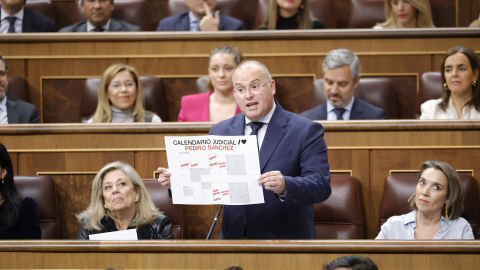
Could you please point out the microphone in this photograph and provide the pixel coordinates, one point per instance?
(214, 222)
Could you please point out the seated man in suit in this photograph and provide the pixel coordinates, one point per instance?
(341, 75)
(16, 19)
(99, 19)
(293, 162)
(200, 18)
(14, 111)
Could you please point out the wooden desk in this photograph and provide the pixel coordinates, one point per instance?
(368, 150)
(55, 65)
(250, 254)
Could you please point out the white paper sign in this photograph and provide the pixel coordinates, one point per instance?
(130, 234)
(214, 169)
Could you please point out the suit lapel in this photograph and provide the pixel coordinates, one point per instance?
(276, 129)
(27, 25)
(183, 24)
(323, 112)
(357, 111)
(238, 126)
(12, 113)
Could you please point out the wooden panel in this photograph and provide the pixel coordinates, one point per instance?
(61, 100)
(366, 150)
(216, 254)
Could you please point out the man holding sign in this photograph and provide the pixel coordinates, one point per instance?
(293, 162)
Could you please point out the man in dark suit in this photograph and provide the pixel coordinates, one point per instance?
(99, 19)
(293, 162)
(16, 19)
(341, 75)
(200, 18)
(13, 111)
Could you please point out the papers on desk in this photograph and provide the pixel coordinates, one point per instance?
(130, 234)
(214, 169)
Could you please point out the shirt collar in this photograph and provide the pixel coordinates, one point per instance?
(19, 14)
(266, 118)
(412, 218)
(3, 104)
(347, 107)
(90, 26)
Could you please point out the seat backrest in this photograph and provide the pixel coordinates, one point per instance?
(43, 7)
(366, 13)
(324, 10)
(152, 89)
(232, 8)
(163, 202)
(42, 189)
(132, 11)
(377, 91)
(342, 215)
(17, 88)
(400, 186)
(430, 88)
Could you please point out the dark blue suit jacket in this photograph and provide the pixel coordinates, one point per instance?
(294, 146)
(360, 110)
(36, 22)
(115, 26)
(181, 22)
(21, 112)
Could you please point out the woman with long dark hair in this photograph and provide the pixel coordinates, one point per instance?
(18, 217)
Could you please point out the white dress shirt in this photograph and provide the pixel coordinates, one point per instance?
(431, 110)
(346, 115)
(5, 24)
(3, 111)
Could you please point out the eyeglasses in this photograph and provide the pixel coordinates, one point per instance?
(254, 89)
(3, 73)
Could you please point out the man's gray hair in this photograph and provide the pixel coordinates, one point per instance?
(342, 57)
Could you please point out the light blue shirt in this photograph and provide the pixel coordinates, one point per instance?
(402, 228)
(346, 115)
(194, 22)
(5, 24)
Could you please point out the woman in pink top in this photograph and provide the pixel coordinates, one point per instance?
(218, 104)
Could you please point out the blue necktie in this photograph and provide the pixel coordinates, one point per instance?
(11, 20)
(256, 126)
(339, 112)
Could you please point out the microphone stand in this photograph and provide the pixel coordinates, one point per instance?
(214, 222)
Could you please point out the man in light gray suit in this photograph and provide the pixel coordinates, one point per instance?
(99, 19)
(14, 111)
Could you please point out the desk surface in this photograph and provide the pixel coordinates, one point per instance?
(250, 254)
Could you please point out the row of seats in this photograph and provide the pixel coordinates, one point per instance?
(363, 13)
(378, 91)
(342, 216)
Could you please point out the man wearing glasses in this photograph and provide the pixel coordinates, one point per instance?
(99, 13)
(14, 111)
(293, 162)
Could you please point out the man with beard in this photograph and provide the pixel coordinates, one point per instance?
(341, 75)
(14, 111)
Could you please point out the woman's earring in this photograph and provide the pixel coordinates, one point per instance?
(105, 205)
(445, 86)
(3, 181)
(136, 199)
(446, 212)
(474, 83)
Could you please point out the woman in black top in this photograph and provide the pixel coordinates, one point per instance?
(120, 201)
(18, 217)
